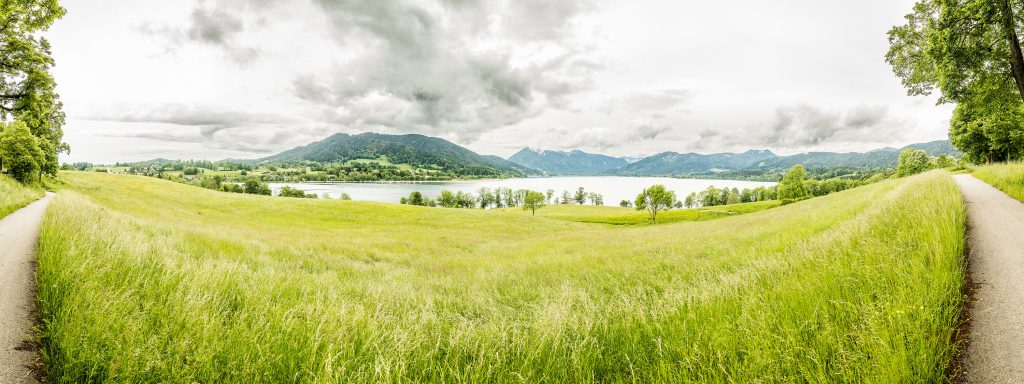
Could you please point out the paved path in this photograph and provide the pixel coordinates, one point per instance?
(995, 238)
(19, 233)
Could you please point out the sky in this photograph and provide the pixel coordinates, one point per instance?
(215, 79)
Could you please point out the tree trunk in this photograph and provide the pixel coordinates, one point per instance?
(1016, 56)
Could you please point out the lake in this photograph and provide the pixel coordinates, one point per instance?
(612, 188)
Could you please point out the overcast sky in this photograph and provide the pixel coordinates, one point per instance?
(212, 79)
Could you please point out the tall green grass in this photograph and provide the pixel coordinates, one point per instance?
(1008, 178)
(142, 280)
(630, 216)
(14, 195)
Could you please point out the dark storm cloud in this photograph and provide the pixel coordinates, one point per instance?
(211, 26)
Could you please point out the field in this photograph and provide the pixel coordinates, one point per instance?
(629, 216)
(1008, 178)
(145, 280)
(13, 195)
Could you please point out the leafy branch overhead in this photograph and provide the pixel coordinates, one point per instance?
(968, 50)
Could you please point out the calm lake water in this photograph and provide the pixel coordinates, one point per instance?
(613, 188)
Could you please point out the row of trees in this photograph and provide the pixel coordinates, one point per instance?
(503, 198)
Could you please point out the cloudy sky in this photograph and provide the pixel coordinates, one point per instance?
(211, 79)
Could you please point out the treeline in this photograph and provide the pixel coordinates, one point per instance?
(503, 198)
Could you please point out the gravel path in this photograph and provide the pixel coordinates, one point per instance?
(995, 237)
(19, 232)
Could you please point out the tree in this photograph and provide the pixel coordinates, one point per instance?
(912, 162)
(950, 45)
(581, 196)
(27, 89)
(988, 125)
(255, 187)
(691, 200)
(655, 199)
(415, 198)
(792, 186)
(549, 195)
(566, 197)
(20, 151)
(625, 204)
(944, 161)
(447, 199)
(533, 201)
(486, 197)
(345, 196)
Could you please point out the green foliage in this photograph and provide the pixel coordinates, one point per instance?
(655, 199)
(1008, 178)
(988, 124)
(27, 89)
(533, 201)
(20, 152)
(143, 280)
(792, 187)
(255, 187)
(912, 162)
(287, 191)
(950, 45)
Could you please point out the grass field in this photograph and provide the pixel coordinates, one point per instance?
(1008, 178)
(145, 280)
(630, 216)
(13, 195)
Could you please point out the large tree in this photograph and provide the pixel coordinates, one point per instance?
(27, 89)
(950, 45)
(654, 200)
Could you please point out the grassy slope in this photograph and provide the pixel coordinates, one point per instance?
(629, 216)
(13, 195)
(1008, 178)
(143, 280)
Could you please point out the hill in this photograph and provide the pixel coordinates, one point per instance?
(417, 151)
(567, 163)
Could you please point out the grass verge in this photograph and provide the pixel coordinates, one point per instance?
(14, 195)
(1008, 178)
(144, 280)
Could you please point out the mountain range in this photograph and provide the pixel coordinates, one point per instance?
(567, 163)
(438, 154)
(695, 164)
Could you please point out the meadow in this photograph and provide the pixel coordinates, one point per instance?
(14, 195)
(146, 280)
(1008, 178)
(630, 216)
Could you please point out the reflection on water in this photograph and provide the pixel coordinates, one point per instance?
(613, 188)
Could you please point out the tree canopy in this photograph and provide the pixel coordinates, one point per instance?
(533, 201)
(655, 199)
(970, 51)
(27, 89)
(19, 151)
(792, 185)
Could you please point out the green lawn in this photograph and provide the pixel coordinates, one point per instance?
(13, 195)
(1008, 178)
(145, 280)
(630, 216)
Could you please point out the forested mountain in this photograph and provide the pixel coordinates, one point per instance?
(750, 162)
(567, 163)
(413, 150)
(672, 163)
